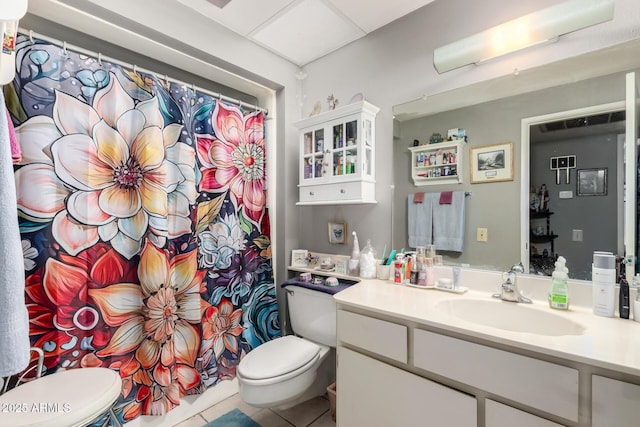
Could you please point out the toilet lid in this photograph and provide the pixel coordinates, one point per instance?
(277, 357)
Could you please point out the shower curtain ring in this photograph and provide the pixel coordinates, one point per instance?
(64, 48)
(31, 37)
(193, 87)
(100, 59)
(135, 69)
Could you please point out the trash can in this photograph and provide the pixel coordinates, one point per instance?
(331, 393)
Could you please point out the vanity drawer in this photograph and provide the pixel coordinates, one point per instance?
(614, 403)
(338, 192)
(546, 386)
(500, 415)
(377, 336)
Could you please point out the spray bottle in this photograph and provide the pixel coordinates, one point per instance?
(559, 291)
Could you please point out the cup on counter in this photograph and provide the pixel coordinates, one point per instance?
(383, 271)
(456, 277)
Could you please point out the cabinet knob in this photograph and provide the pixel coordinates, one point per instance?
(311, 193)
(342, 191)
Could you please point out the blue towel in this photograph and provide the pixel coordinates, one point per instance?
(420, 220)
(14, 318)
(448, 224)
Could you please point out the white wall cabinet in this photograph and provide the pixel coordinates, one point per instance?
(439, 163)
(337, 156)
(387, 396)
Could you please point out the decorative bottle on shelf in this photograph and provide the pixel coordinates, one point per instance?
(354, 261)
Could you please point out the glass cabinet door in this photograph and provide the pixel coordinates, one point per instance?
(367, 147)
(313, 155)
(345, 149)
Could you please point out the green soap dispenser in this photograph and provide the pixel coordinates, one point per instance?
(559, 291)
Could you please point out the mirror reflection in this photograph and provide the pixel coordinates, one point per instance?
(588, 219)
(576, 166)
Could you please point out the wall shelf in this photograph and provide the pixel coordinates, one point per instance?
(439, 163)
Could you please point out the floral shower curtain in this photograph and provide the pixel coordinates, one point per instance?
(144, 225)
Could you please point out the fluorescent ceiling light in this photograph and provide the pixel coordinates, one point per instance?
(528, 30)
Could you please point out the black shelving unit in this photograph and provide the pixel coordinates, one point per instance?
(538, 262)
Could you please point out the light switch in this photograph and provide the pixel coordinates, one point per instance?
(566, 194)
(576, 235)
(483, 234)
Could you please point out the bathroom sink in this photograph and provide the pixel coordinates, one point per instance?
(511, 316)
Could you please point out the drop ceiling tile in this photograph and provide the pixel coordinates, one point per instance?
(372, 14)
(306, 31)
(241, 16)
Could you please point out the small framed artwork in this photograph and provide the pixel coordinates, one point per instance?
(337, 233)
(299, 258)
(492, 163)
(592, 182)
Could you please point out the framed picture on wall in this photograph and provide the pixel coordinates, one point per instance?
(299, 258)
(592, 182)
(337, 233)
(492, 163)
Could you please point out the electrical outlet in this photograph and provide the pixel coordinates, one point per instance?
(576, 235)
(483, 234)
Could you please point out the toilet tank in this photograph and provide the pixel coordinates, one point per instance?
(312, 314)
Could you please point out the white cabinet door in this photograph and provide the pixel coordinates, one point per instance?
(614, 403)
(499, 415)
(373, 394)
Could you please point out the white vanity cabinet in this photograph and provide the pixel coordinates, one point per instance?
(500, 415)
(387, 396)
(614, 403)
(374, 393)
(337, 156)
(393, 372)
(440, 163)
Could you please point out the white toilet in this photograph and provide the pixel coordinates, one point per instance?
(289, 370)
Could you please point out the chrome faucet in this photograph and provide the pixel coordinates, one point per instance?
(509, 289)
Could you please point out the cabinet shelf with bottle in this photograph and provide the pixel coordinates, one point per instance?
(338, 156)
(439, 163)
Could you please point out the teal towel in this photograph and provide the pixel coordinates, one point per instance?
(234, 418)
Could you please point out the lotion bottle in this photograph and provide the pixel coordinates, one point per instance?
(604, 283)
(559, 292)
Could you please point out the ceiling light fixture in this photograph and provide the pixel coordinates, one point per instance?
(528, 30)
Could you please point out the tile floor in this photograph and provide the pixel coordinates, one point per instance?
(312, 413)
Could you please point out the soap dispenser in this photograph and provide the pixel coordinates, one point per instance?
(559, 291)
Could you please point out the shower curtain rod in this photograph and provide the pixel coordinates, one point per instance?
(31, 34)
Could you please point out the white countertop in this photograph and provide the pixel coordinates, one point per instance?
(610, 343)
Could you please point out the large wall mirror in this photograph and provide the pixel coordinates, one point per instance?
(573, 112)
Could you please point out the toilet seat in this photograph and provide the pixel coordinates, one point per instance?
(278, 360)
